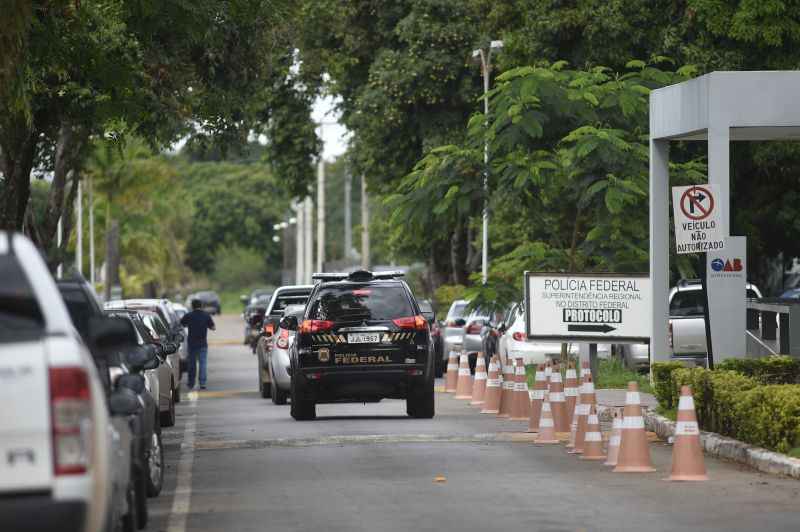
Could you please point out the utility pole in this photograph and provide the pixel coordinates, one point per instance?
(364, 224)
(321, 214)
(91, 232)
(79, 229)
(299, 273)
(308, 254)
(348, 215)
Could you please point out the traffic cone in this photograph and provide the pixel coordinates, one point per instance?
(587, 400)
(491, 404)
(634, 452)
(536, 399)
(522, 400)
(573, 426)
(613, 440)
(452, 373)
(585, 369)
(479, 382)
(687, 454)
(547, 431)
(464, 382)
(571, 391)
(558, 400)
(507, 389)
(593, 441)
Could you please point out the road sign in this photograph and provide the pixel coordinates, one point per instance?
(697, 224)
(596, 307)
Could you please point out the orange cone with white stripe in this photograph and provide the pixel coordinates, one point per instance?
(547, 431)
(687, 454)
(537, 398)
(593, 440)
(571, 391)
(522, 400)
(573, 432)
(613, 440)
(452, 373)
(464, 382)
(507, 390)
(479, 381)
(587, 401)
(634, 451)
(585, 369)
(491, 404)
(558, 400)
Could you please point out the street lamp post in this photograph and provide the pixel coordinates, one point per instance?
(485, 58)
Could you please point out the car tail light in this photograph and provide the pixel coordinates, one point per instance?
(518, 337)
(416, 323)
(71, 420)
(474, 328)
(669, 336)
(269, 328)
(283, 339)
(312, 326)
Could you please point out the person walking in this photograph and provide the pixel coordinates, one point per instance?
(198, 322)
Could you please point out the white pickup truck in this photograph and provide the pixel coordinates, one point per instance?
(687, 324)
(59, 448)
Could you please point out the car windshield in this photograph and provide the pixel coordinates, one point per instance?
(355, 303)
(20, 315)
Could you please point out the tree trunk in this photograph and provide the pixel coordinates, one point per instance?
(69, 147)
(16, 162)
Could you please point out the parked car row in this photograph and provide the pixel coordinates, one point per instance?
(85, 392)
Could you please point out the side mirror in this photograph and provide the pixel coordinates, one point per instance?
(430, 317)
(289, 323)
(124, 402)
(171, 348)
(142, 358)
(134, 383)
(255, 321)
(111, 333)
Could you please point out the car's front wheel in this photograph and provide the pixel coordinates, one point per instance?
(279, 397)
(263, 387)
(302, 409)
(168, 417)
(420, 402)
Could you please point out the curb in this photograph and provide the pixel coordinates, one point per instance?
(720, 446)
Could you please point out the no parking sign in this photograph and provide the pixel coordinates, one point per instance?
(697, 223)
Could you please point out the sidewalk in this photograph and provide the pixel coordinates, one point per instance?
(616, 398)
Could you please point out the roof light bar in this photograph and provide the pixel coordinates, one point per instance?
(358, 275)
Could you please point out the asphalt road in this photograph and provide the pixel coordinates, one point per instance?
(236, 462)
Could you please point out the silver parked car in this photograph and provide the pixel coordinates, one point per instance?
(454, 328)
(275, 351)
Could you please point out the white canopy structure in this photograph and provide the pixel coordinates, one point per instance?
(717, 108)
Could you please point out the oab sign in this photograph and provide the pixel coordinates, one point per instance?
(600, 307)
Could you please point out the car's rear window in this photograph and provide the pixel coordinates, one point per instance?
(20, 315)
(354, 303)
(79, 309)
(458, 310)
(692, 303)
(284, 300)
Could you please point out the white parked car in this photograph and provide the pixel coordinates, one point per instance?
(514, 343)
(60, 451)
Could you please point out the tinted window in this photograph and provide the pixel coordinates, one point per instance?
(80, 309)
(20, 315)
(425, 306)
(692, 303)
(355, 303)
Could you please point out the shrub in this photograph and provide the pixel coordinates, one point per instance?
(698, 379)
(769, 416)
(724, 388)
(664, 386)
(775, 369)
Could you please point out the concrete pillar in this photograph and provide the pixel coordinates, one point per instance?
(659, 249)
(719, 171)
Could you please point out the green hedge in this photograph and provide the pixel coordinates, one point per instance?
(776, 369)
(735, 404)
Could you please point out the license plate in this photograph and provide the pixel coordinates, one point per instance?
(363, 338)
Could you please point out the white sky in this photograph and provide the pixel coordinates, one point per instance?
(334, 135)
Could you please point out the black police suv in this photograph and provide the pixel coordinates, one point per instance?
(362, 338)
